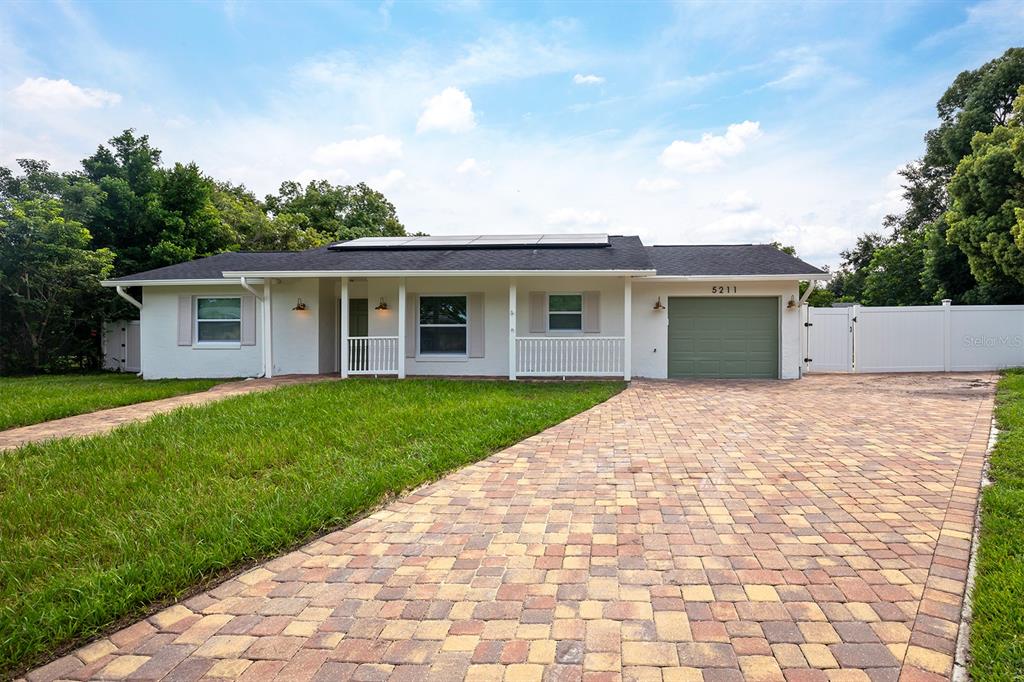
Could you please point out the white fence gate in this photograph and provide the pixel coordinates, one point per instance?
(914, 338)
(122, 348)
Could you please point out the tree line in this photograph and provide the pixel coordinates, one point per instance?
(125, 212)
(961, 236)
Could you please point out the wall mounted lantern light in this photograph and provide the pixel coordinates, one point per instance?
(792, 302)
(658, 307)
(383, 305)
(299, 305)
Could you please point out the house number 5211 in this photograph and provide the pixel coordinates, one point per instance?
(723, 290)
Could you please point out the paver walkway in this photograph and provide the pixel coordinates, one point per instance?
(102, 421)
(811, 530)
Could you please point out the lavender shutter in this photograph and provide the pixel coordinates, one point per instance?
(475, 305)
(592, 312)
(538, 312)
(412, 313)
(248, 320)
(184, 320)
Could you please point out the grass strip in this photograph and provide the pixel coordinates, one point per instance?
(997, 626)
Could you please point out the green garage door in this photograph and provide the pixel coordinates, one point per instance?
(723, 337)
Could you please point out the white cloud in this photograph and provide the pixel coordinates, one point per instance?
(365, 150)
(657, 185)
(712, 150)
(588, 79)
(738, 202)
(451, 111)
(471, 166)
(805, 71)
(45, 93)
(570, 217)
(388, 180)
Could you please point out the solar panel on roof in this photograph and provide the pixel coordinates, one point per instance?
(574, 239)
(475, 241)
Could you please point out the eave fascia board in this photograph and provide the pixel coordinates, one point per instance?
(291, 274)
(177, 282)
(748, 278)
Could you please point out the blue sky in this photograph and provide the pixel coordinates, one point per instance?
(683, 123)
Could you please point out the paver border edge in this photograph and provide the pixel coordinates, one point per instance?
(963, 639)
(971, 472)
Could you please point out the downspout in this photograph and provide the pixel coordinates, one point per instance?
(259, 297)
(131, 299)
(807, 294)
(128, 297)
(248, 287)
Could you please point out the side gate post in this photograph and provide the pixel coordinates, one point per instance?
(854, 313)
(947, 313)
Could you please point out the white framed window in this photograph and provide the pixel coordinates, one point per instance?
(443, 325)
(218, 320)
(565, 312)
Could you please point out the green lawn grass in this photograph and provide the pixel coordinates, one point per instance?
(997, 628)
(35, 399)
(93, 531)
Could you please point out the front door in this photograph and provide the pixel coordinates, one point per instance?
(358, 317)
(358, 327)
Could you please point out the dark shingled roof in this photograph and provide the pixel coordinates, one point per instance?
(623, 253)
(733, 259)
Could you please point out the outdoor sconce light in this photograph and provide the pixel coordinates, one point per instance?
(792, 302)
(299, 305)
(658, 306)
(383, 305)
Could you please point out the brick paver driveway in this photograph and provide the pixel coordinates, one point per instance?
(809, 530)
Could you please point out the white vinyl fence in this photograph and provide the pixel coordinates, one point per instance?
(941, 338)
(122, 349)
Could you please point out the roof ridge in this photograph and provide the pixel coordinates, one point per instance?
(691, 246)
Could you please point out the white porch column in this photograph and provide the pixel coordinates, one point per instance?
(344, 328)
(512, 360)
(402, 312)
(627, 329)
(268, 335)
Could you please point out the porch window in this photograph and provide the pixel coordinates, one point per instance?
(219, 320)
(565, 312)
(443, 325)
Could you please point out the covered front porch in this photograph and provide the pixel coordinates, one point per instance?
(544, 326)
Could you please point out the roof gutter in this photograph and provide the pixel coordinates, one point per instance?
(128, 297)
(286, 274)
(248, 287)
(206, 281)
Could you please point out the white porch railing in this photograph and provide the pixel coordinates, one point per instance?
(373, 355)
(546, 356)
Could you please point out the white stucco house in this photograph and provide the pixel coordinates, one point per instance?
(508, 306)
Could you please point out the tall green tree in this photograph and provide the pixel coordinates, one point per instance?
(339, 211)
(151, 216)
(248, 218)
(918, 262)
(986, 216)
(50, 298)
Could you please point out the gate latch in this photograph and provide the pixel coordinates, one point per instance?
(808, 324)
